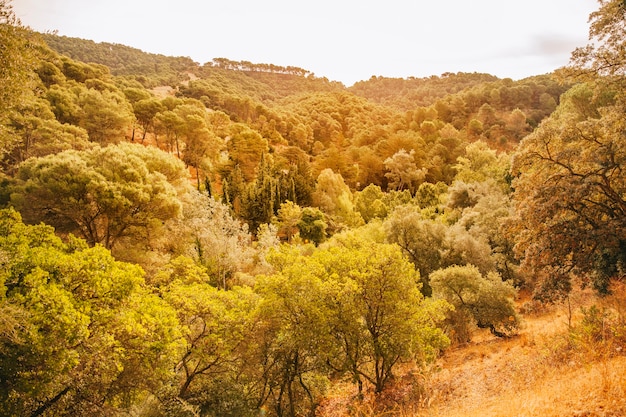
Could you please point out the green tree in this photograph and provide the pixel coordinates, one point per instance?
(217, 327)
(105, 115)
(380, 319)
(295, 324)
(172, 125)
(312, 225)
(82, 335)
(422, 240)
(37, 133)
(246, 148)
(335, 199)
(63, 103)
(145, 111)
(262, 198)
(481, 163)
(370, 203)
(429, 195)
(485, 301)
(105, 195)
(18, 60)
(200, 142)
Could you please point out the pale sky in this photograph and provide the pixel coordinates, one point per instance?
(344, 41)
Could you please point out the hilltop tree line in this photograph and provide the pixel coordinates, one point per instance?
(260, 234)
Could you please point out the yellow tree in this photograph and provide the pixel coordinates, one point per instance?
(380, 319)
(80, 333)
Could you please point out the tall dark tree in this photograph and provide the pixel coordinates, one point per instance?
(569, 192)
(570, 185)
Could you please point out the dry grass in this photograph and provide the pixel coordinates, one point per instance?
(544, 371)
(538, 373)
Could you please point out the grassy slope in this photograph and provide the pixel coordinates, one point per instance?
(534, 374)
(537, 373)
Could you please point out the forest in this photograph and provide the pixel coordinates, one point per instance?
(245, 239)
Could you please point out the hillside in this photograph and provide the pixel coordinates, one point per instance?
(235, 239)
(549, 369)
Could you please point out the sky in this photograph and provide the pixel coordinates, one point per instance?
(345, 41)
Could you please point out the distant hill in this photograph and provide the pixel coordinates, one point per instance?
(405, 94)
(122, 60)
(292, 104)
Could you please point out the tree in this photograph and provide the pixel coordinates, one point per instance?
(262, 198)
(246, 148)
(403, 172)
(18, 59)
(481, 163)
(63, 103)
(217, 326)
(335, 199)
(200, 141)
(485, 301)
(429, 195)
(464, 248)
(145, 111)
(172, 124)
(207, 233)
(295, 328)
(289, 215)
(606, 54)
(422, 240)
(105, 115)
(312, 225)
(352, 308)
(380, 319)
(569, 193)
(105, 195)
(484, 219)
(37, 133)
(81, 334)
(369, 202)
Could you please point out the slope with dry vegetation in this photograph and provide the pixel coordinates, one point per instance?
(567, 361)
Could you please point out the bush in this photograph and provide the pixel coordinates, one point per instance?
(483, 301)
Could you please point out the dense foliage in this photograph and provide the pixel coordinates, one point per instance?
(232, 238)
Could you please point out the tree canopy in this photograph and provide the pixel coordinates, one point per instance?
(237, 238)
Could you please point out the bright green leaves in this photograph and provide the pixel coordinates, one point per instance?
(357, 307)
(379, 291)
(216, 324)
(81, 329)
(295, 329)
